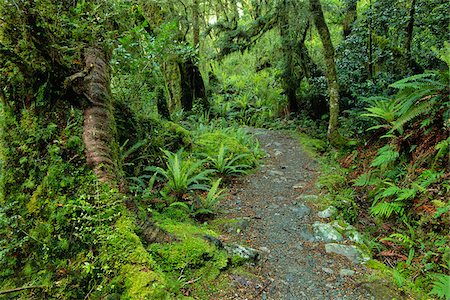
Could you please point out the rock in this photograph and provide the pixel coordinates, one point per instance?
(245, 253)
(327, 213)
(326, 232)
(340, 225)
(308, 197)
(275, 173)
(264, 249)
(298, 186)
(346, 272)
(300, 210)
(353, 253)
(327, 270)
(236, 225)
(354, 236)
(213, 240)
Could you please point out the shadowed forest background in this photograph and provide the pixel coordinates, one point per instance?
(124, 122)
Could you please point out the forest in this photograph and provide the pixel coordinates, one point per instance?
(131, 129)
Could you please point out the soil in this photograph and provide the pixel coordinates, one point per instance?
(274, 211)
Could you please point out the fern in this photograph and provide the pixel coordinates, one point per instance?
(441, 286)
(366, 179)
(422, 108)
(386, 209)
(182, 175)
(386, 155)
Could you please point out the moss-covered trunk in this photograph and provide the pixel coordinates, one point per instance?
(99, 126)
(192, 85)
(333, 86)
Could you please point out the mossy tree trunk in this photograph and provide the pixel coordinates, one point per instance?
(350, 17)
(333, 86)
(192, 86)
(291, 83)
(99, 128)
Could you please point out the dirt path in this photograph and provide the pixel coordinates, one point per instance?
(273, 209)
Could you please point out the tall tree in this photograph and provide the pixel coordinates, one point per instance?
(350, 16)
(333, 86)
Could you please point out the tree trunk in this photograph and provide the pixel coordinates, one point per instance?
(99, 126)
(370, 46)
(350, 17)
(290, 83)
(409, 33)
(192, 86)
(333, 86)
(195, 24)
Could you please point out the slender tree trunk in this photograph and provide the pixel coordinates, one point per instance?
(410, 31)
(333, 86)
(370, 46)
(195, 23)
(99, 124)
(350, 17)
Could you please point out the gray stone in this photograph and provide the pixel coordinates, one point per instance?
(346, 272)
(275, 173)
(353, 253)
(326, 232)
(238, 224)
(354, 236)
(327, 213)
(327, 270)
(308, 197)
(246, 253)
(298, 186)
(300, 210)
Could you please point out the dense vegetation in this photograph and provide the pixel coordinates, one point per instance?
(122, 124)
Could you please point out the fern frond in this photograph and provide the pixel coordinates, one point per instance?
(422, 108)
(386, 155)
(386, 209)
(441, 286)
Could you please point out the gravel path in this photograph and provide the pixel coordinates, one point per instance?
(273, 207)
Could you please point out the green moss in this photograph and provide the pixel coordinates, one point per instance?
(312, 145)
(178, 130)
(141, 283)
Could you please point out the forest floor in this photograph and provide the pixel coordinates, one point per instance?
(273, 211)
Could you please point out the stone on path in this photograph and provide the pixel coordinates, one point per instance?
(245, 253)
(353, 253)
(326, 232)
(346, 272)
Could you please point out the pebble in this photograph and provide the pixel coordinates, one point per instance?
(346, 272)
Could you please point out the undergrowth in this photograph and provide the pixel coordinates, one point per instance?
(395, 185)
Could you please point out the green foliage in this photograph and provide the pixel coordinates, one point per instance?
(226, 164)
(386, 155)
(441, 286)
(423, 94)
(205, 205)
(181, 174)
